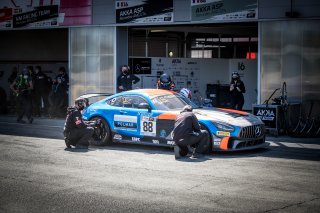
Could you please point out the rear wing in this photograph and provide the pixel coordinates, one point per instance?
(94, 97)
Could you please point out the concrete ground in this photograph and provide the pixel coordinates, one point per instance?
(38, 174)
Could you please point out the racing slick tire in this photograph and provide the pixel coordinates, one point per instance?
(102, 132)
(209, 150)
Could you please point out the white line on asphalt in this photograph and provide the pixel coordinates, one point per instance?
(33, 124)
(295, 145)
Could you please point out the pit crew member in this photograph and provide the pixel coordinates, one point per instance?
(165, 82)
(187, 132)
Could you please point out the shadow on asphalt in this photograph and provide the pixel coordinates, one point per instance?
(76, 150)
(195, 160)
(286, 147)
(279, 151)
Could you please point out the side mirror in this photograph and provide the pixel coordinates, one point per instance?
(144, 106)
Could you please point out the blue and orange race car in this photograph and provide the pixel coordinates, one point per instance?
(146, 116)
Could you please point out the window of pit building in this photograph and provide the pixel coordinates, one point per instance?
(222, 47)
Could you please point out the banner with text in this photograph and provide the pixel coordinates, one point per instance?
(224, 10)
(44, 13)
(144, 11)
(16, 14)
(37, 15)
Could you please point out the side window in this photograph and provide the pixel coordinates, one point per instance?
(117, 101)
(127, 101)
(138, 100)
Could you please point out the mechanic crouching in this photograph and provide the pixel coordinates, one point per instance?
(187, 133)
(77, 132)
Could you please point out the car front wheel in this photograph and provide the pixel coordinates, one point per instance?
(209, 149)
(102, 132)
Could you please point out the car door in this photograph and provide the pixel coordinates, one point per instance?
(139, 108)
(124, 120)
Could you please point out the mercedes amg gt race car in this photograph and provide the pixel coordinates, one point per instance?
(146, 116)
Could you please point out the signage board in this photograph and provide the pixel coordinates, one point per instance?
(144, 11)
(224, 10)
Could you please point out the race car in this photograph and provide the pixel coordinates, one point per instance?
(147, 116)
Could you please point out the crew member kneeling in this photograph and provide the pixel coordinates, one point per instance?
(76, 132)
(187, 132)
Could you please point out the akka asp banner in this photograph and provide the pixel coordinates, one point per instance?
(144, 11)
(226, 10)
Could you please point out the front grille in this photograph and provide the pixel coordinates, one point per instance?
(245, 144)
(254, 131)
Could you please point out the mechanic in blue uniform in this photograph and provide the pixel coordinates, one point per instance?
(76, 132)
(237, 89)
(125, 79)
(187, 132)
(165, 82)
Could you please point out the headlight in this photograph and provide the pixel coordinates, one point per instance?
(223, 126)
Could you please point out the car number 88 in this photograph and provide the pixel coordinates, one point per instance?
(147, 126)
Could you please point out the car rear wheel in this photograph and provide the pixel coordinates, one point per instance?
(102, 132)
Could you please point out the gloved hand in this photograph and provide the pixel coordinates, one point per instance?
(195, 133)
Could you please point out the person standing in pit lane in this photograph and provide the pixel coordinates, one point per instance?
(165, 82)
(125, 79)
(22, 87)
(237, 89)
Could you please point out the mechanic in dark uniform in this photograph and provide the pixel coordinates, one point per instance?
(22, 86)
(125, 79)
(76, 132)
(187, 132)
(165, 82)
(237, 89)
(41, 86)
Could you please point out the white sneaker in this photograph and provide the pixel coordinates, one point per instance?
(196, 156)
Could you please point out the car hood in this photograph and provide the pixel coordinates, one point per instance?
(233, 117)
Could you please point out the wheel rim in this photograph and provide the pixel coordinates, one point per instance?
(101, 132)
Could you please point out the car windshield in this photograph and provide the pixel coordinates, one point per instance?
(171, 102)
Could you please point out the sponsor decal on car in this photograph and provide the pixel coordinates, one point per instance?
(117, 137)
(125, 122)
(171, 143)
(155, 141)
(148, 126)
(163, 133)
(135, 139)
(222, 133)
(216, 142)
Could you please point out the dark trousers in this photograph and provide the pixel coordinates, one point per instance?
(200, 141)
(38, 96)
(81, 136)
(237, 102)
(58, 104)
(25, 106)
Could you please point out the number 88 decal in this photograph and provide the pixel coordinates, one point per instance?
(147, 126)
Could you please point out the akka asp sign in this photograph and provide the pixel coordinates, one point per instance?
(267, 114)
(144, 11)
(202, 10)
